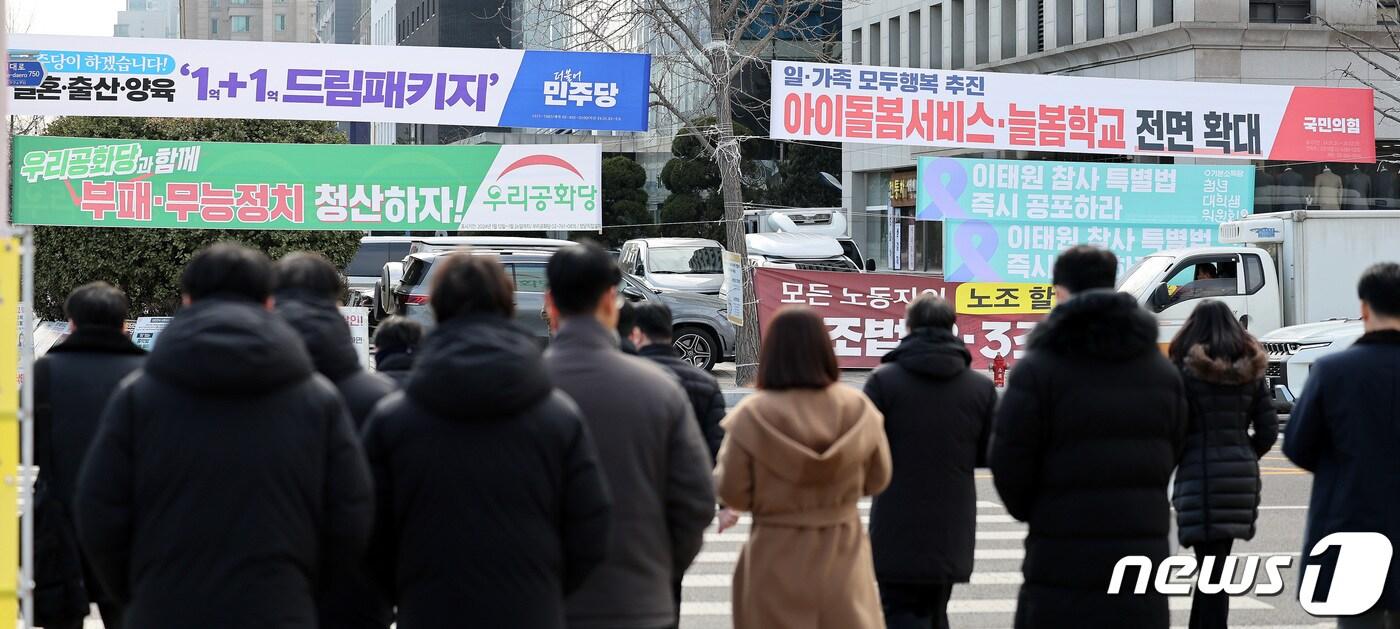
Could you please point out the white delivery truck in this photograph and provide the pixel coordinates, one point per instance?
(1293, 283)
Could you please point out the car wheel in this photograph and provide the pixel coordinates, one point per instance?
(697, 346)
(379, 314)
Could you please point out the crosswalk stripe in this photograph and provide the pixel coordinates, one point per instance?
(994, 578)
(865, 519)
(983, 606)
(725, 538)
(730, 556)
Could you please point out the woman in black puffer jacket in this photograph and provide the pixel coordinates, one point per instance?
(1216, 493)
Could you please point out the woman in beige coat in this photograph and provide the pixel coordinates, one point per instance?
(798, 455)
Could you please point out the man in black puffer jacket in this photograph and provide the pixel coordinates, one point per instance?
(72, 384)
(226, 469)
(492, 511)
(308, 289)
(652, 337)
(1084, 444)
(938, 417)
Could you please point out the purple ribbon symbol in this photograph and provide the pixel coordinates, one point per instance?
(943, 194)
(976, 243)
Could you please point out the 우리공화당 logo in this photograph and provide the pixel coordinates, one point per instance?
(568, 88)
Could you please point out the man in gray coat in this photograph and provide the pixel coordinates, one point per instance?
(653, 456)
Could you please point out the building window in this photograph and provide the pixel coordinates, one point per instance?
(1094, 19)
(1008, 29)
(956, 34)
(1127, 17)
(874, 44)
(1037, 30)
(1280, 11)
(122, 30)
(238, 1)
(214, 26)
(238, 24)
(856, 43)
(279, 22)
(984, 32)
(916, 44)
(935, 36)
(893, 40)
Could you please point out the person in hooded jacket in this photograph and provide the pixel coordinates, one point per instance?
(1083, 445)
(938, 418)
(226, 469)
(799, 454)
(1216, 491)
(492, 503)
(308, 297)
(72, 384)
(396, 343)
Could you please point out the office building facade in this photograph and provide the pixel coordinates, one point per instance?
(1229, 41)
(149, 18)
(250, 20)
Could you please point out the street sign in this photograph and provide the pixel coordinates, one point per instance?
(26, 73)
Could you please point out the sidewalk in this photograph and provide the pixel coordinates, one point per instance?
(724, 372)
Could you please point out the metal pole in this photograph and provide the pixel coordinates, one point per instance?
(25, 472)
(26, 428)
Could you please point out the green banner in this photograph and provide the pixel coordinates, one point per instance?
(219, 185)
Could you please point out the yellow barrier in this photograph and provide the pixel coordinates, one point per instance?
(9, 429)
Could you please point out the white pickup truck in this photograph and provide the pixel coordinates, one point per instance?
(1293, 284)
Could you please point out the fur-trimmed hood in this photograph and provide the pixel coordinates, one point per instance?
(1100, 324)
(1247, 368)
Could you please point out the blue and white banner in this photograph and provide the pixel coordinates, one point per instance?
(103, 76)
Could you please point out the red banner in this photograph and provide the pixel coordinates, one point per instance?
(864, 313)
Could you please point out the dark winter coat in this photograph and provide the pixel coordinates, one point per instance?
(938, 417)
(1084, 443)
(332, 349)
(1216, 491)
(656, 466)
(395, 366)
(1344, 431)
(706, 399)
(347, 595)
(492, 505)
(72, 385)
(221, 476)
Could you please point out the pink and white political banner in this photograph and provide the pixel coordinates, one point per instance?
(990, 110)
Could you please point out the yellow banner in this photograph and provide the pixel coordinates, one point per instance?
(9, 428)
(983, 298)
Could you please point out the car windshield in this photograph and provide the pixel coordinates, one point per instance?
(708, 259)
(373, 255)
(1143, 274)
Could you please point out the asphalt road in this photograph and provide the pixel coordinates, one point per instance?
(990, 599)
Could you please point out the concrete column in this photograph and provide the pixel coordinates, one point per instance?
(1025, 22)
(1144, 14)
(1110, 17)
(1081, 22)
(994, 33)
(1052, 29)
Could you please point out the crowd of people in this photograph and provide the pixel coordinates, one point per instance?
(248, 472)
